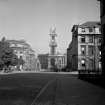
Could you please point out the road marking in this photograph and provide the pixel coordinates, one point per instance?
(42, 90)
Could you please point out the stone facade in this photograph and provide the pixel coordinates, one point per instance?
(59, 61)
(43, 58)
(84, 50)
(102, 18)
(23, 50)
(55, 60)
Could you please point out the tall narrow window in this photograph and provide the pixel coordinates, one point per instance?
(90, 39)
(90, 50)
(83, 50)
(91, 64)
(97, 30)
(99, 40)
(90, 29)
(83, 63)
(82, 39)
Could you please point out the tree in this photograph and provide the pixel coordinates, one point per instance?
(7, 56)
(20, 62)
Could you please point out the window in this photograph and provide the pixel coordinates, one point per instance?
(15, 51)
(83, 30)
(99, 48)
(53, 37)
(83, 63)
(83, 39)
(12, 45)
(99, 40)
(21, 57)
(90, 50)
(83, 49)
(100, 53)
(91, 64)
(53, 62)
(21, 52)
(97, 30)
(60, 61)
(90, 30)
(90, 39)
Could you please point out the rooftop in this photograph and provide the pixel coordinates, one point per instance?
(90, 24)
(23, 42)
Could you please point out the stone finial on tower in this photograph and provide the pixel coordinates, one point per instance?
(53, 31)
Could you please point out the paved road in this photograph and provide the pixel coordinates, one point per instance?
(59, 88)
(69, 90)
(21, 87)
(78, 92)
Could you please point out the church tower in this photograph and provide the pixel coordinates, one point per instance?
(52, 45)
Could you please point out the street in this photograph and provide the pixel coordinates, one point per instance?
(52, 88)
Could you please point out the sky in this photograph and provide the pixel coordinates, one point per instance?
(31, 20)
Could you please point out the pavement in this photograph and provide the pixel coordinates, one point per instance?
(73, 91)
(49, 89)
(69, 90)
(46, 72)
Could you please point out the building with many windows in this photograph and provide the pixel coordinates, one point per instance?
(102, 18)
(84, 51)
(24, 51)
(59, 61)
